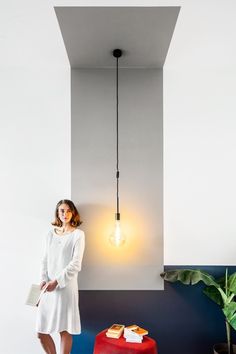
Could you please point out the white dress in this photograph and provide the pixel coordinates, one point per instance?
(58, 310)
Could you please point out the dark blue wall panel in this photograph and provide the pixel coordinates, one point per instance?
(181, 318)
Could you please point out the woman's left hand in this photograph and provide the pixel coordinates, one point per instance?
(51, 285)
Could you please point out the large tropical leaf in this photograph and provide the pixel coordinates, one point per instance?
(232, 283)
(189, 277)
(230, 313)
(221, 282)
(213, 293)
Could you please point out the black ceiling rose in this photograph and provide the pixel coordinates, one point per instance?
(117, 53)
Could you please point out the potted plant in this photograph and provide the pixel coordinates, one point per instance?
(222, 291)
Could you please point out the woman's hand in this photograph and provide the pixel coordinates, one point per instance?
(42, 284)
(51, 285)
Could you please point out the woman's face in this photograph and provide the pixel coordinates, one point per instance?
(64, 213)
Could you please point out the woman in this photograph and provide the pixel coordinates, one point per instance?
(58, 309)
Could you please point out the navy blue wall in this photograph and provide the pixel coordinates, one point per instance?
(181, 318)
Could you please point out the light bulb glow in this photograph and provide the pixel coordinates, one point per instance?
(117, 238)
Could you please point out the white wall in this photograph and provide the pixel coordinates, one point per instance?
(138, 263)
(200, 145)
(34, 156)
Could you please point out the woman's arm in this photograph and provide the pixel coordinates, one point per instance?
(75, 264)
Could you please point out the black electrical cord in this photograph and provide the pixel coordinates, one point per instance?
(117, 144)
(117, 54)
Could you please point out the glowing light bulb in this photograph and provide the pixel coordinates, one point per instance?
(117, 238)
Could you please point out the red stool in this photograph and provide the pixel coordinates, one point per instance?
(105, 345)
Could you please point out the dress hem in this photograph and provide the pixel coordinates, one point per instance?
(58, 331)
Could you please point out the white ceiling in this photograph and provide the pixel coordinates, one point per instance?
(91, 33)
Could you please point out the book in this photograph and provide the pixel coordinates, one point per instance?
(116, 328)
(134, 334)
(131, 327)
(115, 331)
(34, 295)
(136, 340)
(140, 331)
(131, 336)
(128, 332)
(113, 335)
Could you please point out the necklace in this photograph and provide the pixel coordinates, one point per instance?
(62, 231)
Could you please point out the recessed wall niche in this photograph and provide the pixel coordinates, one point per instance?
(90, 34)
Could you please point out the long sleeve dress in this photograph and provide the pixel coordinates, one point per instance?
(58, 310)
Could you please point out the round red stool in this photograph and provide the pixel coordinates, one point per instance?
(105, 345)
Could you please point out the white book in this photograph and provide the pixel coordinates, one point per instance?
(35, 295)
(131, 335)
(134, 340)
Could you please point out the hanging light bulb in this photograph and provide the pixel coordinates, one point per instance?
(117, 238)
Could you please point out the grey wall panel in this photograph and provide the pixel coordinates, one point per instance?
(138, 263)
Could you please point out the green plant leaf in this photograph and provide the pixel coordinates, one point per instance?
(230, 313)
(226, 300)
(185, 277)
(232, 283)
(221, 291)
(229, 310)
(233, 321)
(189, 277)
(171, 276)
(214, 294)
(221, 282)
(208, 279)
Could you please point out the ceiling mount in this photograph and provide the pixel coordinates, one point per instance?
(128, 29)
(117, 53)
